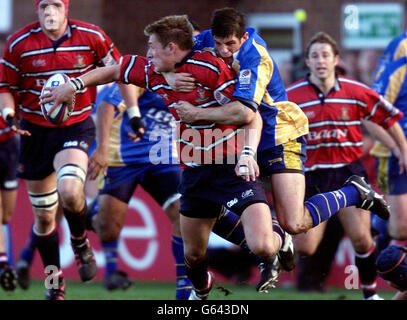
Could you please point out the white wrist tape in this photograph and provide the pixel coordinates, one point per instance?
(5, 112)
(77, 84)
(133, 111)
(248, 151)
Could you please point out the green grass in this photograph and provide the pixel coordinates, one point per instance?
(165, 291)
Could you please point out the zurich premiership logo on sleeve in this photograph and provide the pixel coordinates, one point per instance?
(244, 78)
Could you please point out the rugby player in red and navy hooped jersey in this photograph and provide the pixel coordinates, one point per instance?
(53, 158)
(335, 107)
(205, 186)
(9, 144)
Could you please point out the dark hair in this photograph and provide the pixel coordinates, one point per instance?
(175, 28)
(322, 37)
(228, 22)
(194, 24)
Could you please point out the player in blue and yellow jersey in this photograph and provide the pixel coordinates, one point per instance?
(396, 49)
(392, 180)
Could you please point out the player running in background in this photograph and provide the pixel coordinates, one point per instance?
(9, 147)
(53, 159)
(205, 186)
(335, 106)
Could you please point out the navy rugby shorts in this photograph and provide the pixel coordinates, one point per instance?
(286, 157)
(160, 181)
(38, 150)
(326, 180)
(207, 188)
(8, 163)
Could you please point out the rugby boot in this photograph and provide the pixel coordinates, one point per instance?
(286, 255)
(56, 293)
(203, 293)
(117, 280)
(269, 272)
(23, 273)
(85, 260)
(8, 278)
(371, 200)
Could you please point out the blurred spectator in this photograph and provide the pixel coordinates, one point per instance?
(367, 61)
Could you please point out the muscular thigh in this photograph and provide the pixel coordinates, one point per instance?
(288, 191)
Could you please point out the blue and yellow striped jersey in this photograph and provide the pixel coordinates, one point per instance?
(396, 49)
(260, 83)
(157, 144)
(392, 85)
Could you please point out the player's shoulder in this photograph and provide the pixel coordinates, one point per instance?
(301, 83)
(23, 33)
(87, 28)
(347, 82)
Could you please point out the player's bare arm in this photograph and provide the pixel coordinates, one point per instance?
(393, 138)
(131, 94)
(232, 113)
(247, 167)
(180, 82)
(65, 93)
(98, 161)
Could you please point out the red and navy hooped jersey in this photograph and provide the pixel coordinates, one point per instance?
(30, 58)
(335, 135)
(200, 142)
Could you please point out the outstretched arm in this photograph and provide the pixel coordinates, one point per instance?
(66, 92)
(393, 138)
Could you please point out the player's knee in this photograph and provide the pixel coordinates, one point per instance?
(71, 197)
(363, 243)
(108, 230)
(44, 219)
(194, 258)
(292, 227)
(263, 249)
(71, 179)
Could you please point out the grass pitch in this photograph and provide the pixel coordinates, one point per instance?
(166, 291)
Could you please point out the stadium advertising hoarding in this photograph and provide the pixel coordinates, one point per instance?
(145, 246)
(370, 25)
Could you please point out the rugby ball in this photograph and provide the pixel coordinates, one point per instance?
(61, 113)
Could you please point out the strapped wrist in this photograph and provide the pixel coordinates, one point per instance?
(133, 111)
(77, 84)
(6, 112)
(248, 151)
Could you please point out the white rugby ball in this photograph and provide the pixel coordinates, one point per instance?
(61, 113)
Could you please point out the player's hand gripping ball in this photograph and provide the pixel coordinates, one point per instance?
(61, 113)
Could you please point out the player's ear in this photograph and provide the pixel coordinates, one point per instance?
(171, 46)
